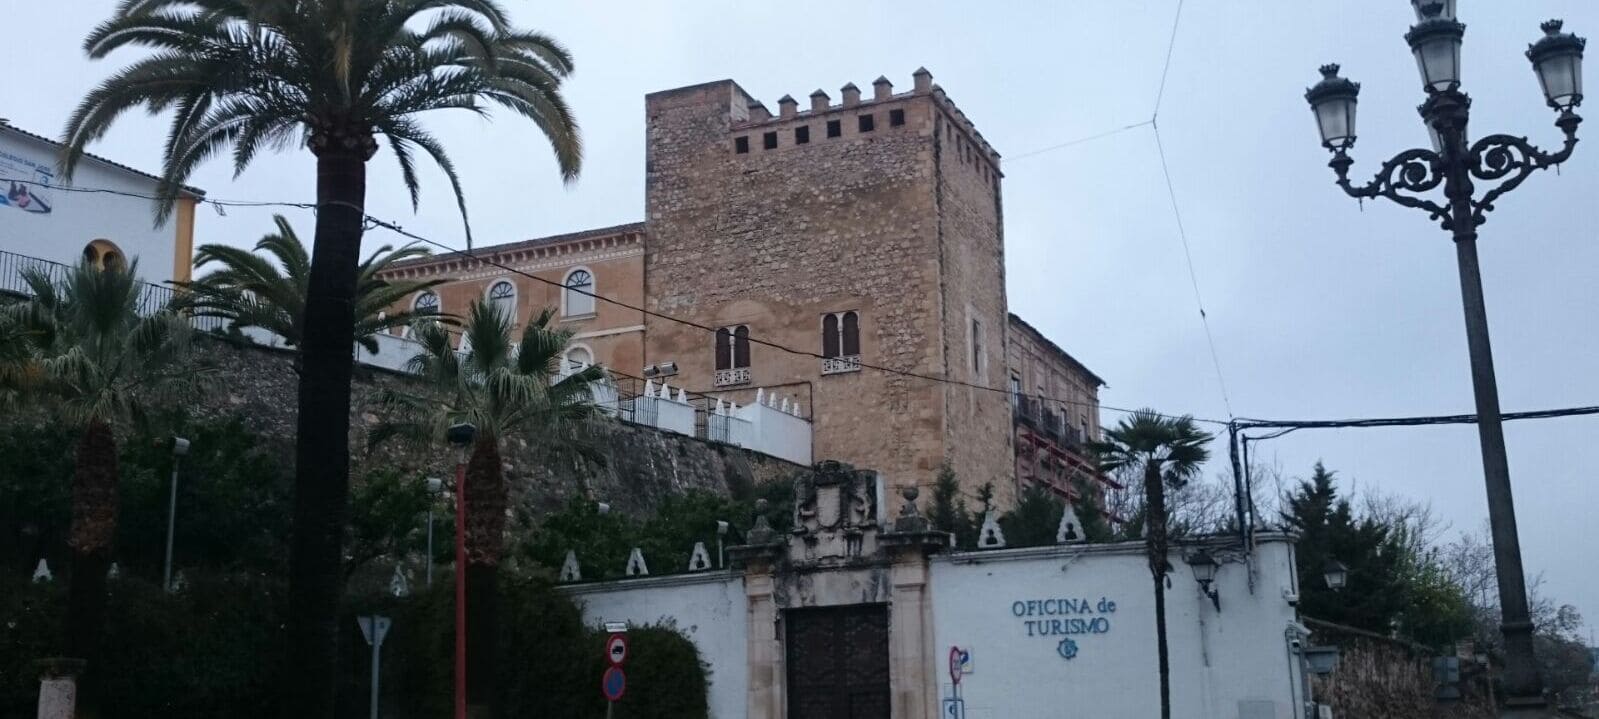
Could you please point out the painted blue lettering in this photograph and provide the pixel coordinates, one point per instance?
(1018, 609)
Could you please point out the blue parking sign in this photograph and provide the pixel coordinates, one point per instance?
(954, 708)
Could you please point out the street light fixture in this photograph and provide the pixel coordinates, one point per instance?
(1205, 566)
(1453, 164)
(435, 486)
(1335, 574)
(180, 449)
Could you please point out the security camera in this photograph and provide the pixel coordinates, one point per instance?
(180, 446)
(1291, 598)
(667, 369)
(1293, 644)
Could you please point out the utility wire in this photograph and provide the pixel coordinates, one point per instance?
(1193, 277)
(373, 222)
(1165, 69)
(1078, 141)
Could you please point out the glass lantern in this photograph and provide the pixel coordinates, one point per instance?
(1435, 42)
(1332, 101)
(1557, 58)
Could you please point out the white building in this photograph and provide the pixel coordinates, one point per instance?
(42, 219)
(855, 614)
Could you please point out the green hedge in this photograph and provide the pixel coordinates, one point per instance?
(216, 649)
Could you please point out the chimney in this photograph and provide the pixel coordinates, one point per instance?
(882, 89)
(786, 106)
(852, 95)
(759, 113)
(818, 101)
(923, 80)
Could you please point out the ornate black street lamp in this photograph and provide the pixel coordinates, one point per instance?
(1452, 164)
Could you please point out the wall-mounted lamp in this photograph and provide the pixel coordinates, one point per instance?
(1205, 566)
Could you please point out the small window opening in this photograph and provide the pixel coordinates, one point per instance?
(741, 145)
(769, 141)
(896, 118)
(867, 123)
(834, 128)
(802, 134)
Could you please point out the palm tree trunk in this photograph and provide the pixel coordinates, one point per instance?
(94, 525)
(1155, 542)
(322, 440)
(485, 537)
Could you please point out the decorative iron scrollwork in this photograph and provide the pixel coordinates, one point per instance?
(1511, 159)
(1413, 172)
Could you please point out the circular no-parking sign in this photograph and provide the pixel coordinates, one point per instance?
(613, 684)
(955, 654)
(616, 649)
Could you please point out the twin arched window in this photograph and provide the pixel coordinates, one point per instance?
(733, 347)
(841, 334)
(426, 303)
(577, 299)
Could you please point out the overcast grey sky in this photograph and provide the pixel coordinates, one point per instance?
(1320, 309)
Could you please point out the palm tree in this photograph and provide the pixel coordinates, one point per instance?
(1169, 451)
(251, 291)
(92, 352)
(255, 74)
(504, 388)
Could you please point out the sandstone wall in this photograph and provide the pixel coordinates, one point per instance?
(642, 464)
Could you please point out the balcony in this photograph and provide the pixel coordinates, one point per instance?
(732, 377)
(841, 365)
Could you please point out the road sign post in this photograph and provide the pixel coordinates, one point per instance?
(374, 629)
(613, 684)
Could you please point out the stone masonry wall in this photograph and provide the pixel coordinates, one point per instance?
(642, 465)
(978, 423)
(773, 239)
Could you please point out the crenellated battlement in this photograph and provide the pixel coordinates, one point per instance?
(760, 119)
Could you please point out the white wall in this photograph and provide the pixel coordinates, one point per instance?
(394, 352)
(777, 433)
(77, 218)
(1218, 660)
(708, 607)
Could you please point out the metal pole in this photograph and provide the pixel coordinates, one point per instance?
(1449, 115)
(377, 655)
(1522, 680)
(430, 543)
(172, 515)
(460, 588)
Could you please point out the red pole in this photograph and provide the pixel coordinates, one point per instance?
(460, 590)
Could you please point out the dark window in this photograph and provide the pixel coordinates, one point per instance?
(834, 128)
(896, 117)
(866, 123)
(741, 346)
(977, 346)
(769, 141)
(841, 334)
(802, 134)
(741, 145)
(852, 334)
(724, 349)
(830, 335)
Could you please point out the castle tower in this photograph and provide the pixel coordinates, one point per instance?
(867, 231)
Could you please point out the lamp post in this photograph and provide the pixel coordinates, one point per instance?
(1205, 565)
(1452, 164)
(180, 448)
(434, 487)
(461, 436)
(1335, 574)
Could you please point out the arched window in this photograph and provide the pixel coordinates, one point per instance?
(578, 358)
(502, 297)
(741, 346)
(105, 255)
(578, 297)
(852, 334)
(724, 349)
(830, 335)
(425, 303)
